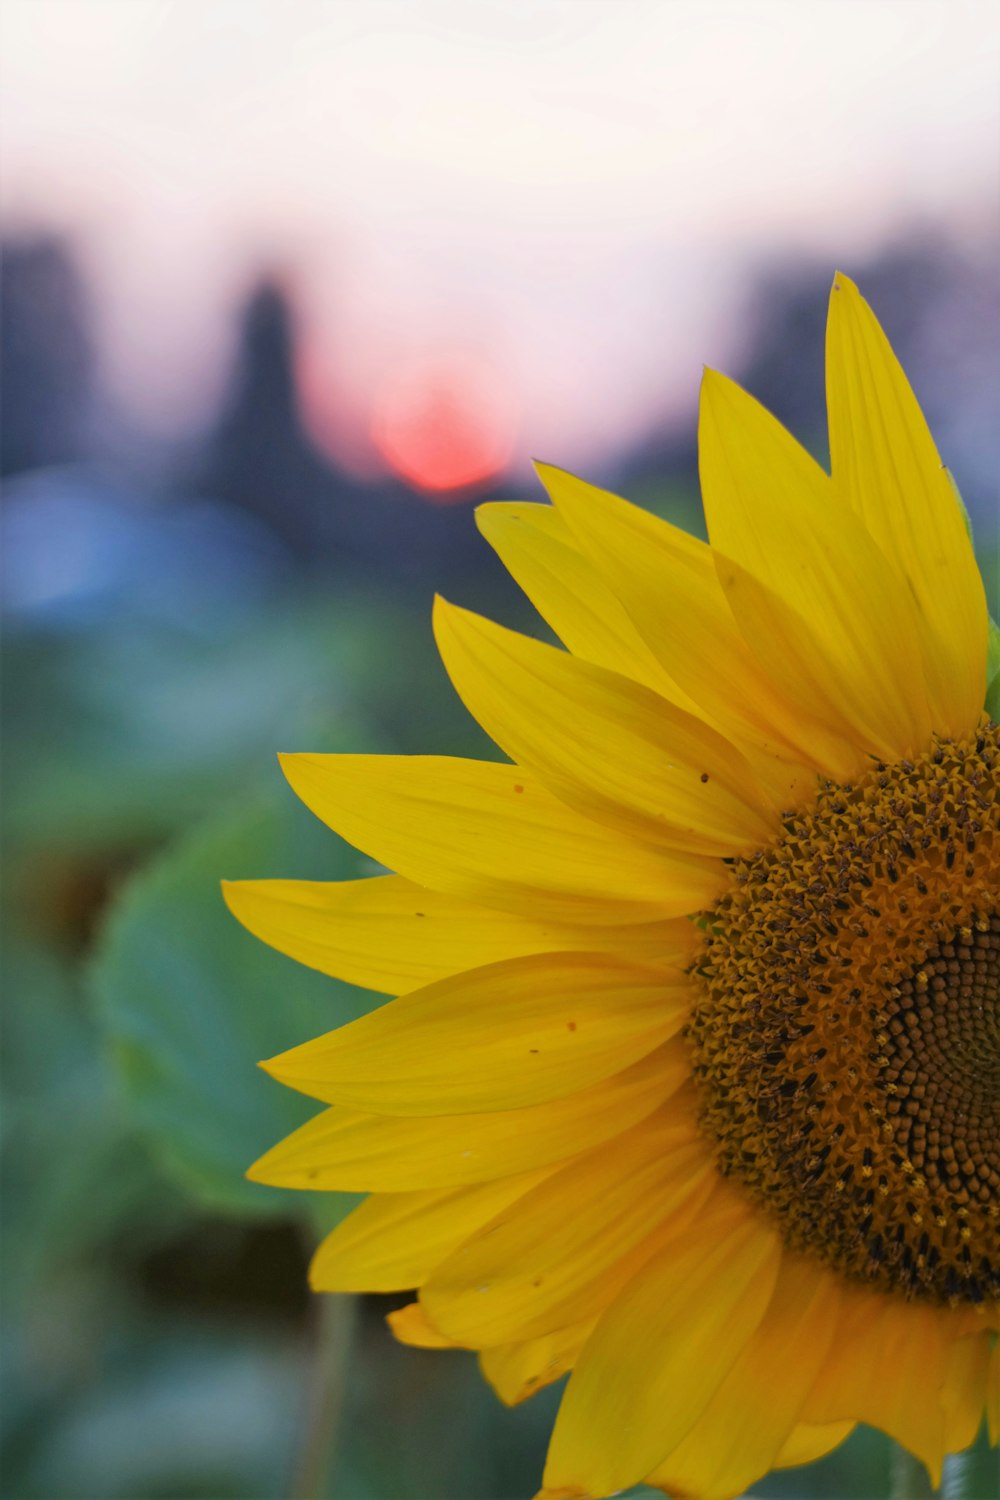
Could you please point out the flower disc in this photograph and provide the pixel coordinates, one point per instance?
(847, 1037)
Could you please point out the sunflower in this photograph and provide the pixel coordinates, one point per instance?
(692, 1083)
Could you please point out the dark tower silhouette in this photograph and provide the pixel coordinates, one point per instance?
(46, 364)
(259, 456)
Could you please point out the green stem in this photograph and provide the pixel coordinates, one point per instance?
(335, 1323)
(908, 1479)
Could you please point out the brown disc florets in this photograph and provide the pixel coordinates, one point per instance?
(846, 1037)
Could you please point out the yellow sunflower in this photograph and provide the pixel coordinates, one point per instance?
(693, 1082)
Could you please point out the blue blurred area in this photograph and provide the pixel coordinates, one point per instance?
(171, 619)
(78, 546)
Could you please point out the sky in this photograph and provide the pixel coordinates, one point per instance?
(555, 205)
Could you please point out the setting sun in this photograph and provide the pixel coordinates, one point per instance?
(444, 425)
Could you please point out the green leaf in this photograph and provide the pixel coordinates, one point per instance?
(73, 1174)
(103, 712)
(191, 1002)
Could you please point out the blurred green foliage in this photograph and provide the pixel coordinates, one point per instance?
(190, 1002)
(159, 1341)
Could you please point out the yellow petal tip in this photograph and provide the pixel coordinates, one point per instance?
(410, 1325)
(715, 386)
(843, 283)
(552, 474)
(445, 617)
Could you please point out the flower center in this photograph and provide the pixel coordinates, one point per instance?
(846, 1037)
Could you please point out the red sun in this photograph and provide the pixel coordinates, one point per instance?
(444, 425)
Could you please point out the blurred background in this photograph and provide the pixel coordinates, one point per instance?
(286, 290)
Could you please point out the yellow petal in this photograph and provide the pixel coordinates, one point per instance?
(662, 1349)
(517, 1371)
(606, 746)
(343, 1149)
(392, 1241)
(742, 1430)
(666, 580)
(887, 1368)
(885, 461)
(493, 835)
(805, 1443)
(537, 548)
(410, 1326)
(569, 592)
(784, 645)
(386, 933)
(993, 1394)
(772, 510)
(561, 1253)
(965, 1390)
(512, 1034)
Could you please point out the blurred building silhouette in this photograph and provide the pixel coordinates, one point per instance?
(260, 458)
(46, 360)
(938, 307)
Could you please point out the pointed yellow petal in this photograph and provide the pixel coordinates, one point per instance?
(662, 1349)
(386, 933)
(965, 1390)
(410, 1326)
(805, 1443)
(887, 1368)
(569, 592)
(561, 1253)
(392, 1241)
(492, 835)
(346, 1150)
(772, 510)
(607, 747)
(509, 1035)
(538, 550)
(885, 461)
(666, 580)
(745, 1425)
(517, 1371)
(993, 1394)
(784, 645)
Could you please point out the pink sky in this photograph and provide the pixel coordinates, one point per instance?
(567, 194)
